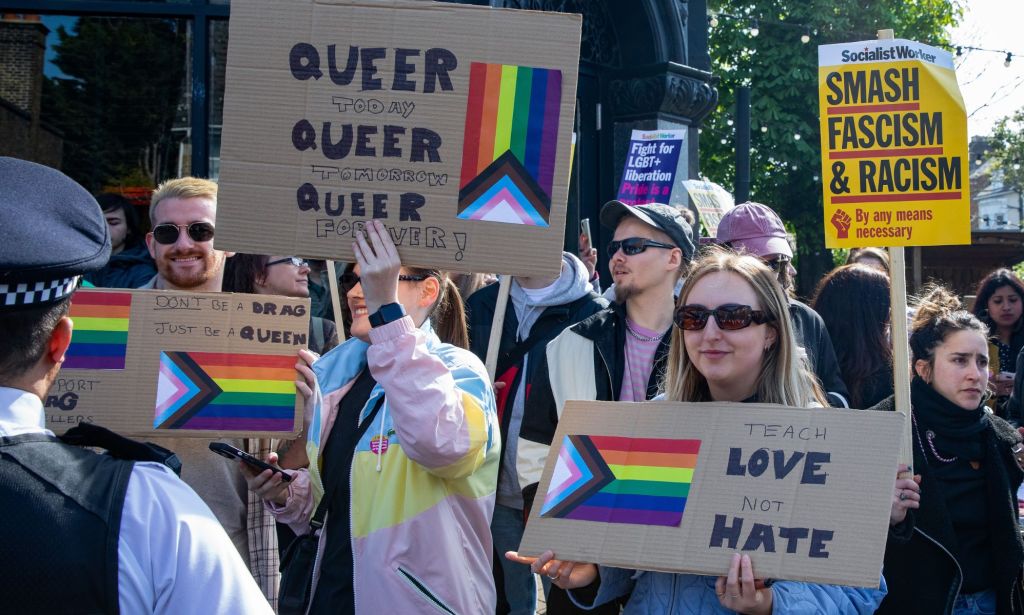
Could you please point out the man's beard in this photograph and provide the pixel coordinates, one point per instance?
(213, 263)
(622, 293)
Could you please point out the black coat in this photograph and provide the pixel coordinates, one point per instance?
(607, 332)
(920, 569)
(480, 308)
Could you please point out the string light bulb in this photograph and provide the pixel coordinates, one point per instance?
(796, 136)
(805, 37)
(1009, 58)
(754, 30)
(713, 21)
(959, 51)
(764, 129)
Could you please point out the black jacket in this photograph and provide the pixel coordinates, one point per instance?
(552, 321)
(811, 333)
(920, 569)
(1015, 405)
(607, 332)
(130, 268)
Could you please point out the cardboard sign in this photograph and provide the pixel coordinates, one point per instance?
(712, 202)
(652, 165)
(682, 487)
(145, 362)
(894, 162)
(449, 123)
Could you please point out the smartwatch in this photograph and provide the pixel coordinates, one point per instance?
(387, 313)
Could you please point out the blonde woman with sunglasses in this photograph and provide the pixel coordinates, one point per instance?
(733, 341)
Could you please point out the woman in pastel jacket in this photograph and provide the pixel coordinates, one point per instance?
(733, 342)
(410, 420)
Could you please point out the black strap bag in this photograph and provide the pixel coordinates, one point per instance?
(296, 589)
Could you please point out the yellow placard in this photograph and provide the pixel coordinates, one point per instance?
(894, 161)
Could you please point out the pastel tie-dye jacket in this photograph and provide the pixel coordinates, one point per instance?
(423, 476)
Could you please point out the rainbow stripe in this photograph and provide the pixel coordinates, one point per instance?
(225, 392)
(512, 112)
(614, 479)
(100, 338)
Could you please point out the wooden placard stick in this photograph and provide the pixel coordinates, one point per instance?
(899, 336)
(332, 280)
(505, 285)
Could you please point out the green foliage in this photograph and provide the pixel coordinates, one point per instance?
(783, 76)
(1008, 150)
(116, 108)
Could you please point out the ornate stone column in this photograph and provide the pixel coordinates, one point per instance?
(667, 96)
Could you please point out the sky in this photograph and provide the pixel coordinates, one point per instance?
(990, 90)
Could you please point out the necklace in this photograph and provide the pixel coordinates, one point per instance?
(930, 436)
(642, 338)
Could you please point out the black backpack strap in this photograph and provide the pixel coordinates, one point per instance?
(120, 447)
(317, 521)
(515, 354)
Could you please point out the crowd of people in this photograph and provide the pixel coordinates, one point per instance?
(415, 472)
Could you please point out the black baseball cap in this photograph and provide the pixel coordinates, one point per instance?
(665, 218)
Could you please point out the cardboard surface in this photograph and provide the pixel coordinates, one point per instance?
(712, 202)
(642, 486)
(450, 123)
(894, 165)
(147, 362)
(653, 163)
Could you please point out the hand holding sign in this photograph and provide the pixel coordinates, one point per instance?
(564, 574)
(379, 266)
(740, 591)
(906, 495)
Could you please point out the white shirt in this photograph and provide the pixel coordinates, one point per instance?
(173, 556)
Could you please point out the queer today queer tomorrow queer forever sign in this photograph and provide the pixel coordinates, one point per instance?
(449, 124)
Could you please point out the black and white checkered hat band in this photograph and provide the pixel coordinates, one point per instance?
(36, 293)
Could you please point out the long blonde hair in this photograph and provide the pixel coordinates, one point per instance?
(784, 378)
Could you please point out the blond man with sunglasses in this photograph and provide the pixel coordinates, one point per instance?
(183, 212)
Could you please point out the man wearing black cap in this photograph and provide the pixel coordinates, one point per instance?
(619, 353)
(85, 532)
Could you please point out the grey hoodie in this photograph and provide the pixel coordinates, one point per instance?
(572, 283)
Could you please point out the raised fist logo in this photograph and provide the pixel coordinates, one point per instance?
(841, 220)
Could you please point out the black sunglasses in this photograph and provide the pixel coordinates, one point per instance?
(294, 260)
(779, 263)
(349, 279)
(168, 233)
(635, 245)
(731, 317)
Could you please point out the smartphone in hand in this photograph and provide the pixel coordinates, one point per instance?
(226, 450)
(585, 232)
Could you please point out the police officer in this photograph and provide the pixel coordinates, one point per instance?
(84, 532)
